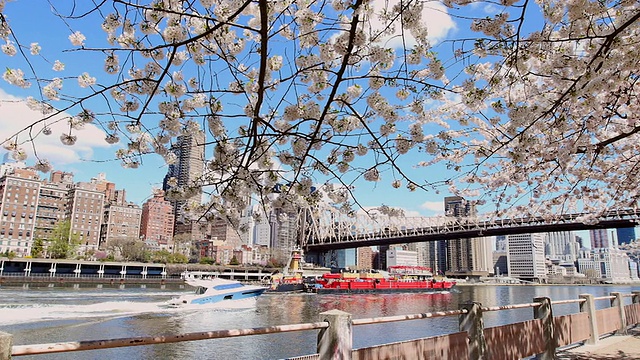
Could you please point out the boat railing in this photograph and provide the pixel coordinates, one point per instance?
(545, 333)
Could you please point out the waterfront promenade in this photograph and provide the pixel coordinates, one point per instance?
(545, 334)
(610, 348)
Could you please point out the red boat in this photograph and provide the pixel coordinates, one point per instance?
(378, 282)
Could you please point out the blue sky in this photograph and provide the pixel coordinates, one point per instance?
(92, 155)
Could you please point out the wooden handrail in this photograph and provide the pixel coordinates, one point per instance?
(510, 307)
(149, 340)
(386, 319)
(570, 301)
(19, 350)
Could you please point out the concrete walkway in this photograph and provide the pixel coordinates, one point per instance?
(614, 347)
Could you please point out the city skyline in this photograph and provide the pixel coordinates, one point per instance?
(132, 195)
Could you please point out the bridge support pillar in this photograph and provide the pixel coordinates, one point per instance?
(589, 306)
(336, 341)
(472, 323)
(544, 312)
(6, 343)
(618, 302)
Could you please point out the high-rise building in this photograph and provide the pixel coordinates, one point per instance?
(186, 172)
(19, 192)
(221, 230)
(364, 258)
(561, 246)
(262, 229)
(85, 212)
(108, 188)
(156, 224)
(284, 232)
(246, 229)
(605, 263)
(7, 167)
(52, 204)
(341, 258)
(525, 256)
(396, 256)
(120, 222)
(599, 238)
(466, 256)
(424, 256)
(626, 235)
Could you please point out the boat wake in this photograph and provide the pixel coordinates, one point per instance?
(13, 314)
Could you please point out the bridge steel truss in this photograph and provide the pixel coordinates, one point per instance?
(332, 230)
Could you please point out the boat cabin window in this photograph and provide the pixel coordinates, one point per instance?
(228, 286)
(200, 290)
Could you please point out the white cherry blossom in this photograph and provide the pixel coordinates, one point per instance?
(535, 109)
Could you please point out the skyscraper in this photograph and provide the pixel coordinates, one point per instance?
(525, 256)
(466, 256)
(599, 238)
(186, 172)
(626, 235)
(558, 246)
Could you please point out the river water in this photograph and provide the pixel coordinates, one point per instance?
(37, 315)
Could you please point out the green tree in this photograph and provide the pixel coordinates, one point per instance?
(160, 256)
(63, 242)
(178, 259)
(234, 261)
(37, 249)
(207, 261)
(128, 249)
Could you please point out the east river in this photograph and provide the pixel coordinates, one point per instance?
(37, 315)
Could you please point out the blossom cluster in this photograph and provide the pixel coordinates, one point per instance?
(302, 93)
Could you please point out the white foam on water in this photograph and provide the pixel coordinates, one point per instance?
(221, 305)
(21, 314)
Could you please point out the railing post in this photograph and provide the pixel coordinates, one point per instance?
(336, 341)
(6, 343)
(618, 302)
(635, 298)
(544, 312)
(472, 323)
(589, 306)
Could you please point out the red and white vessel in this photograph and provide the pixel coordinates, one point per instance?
(398, 279)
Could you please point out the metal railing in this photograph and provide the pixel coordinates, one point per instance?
(546, 332)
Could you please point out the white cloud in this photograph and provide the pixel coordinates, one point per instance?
(435, 206)
(434, 16)
(491, 9)
(15, 116)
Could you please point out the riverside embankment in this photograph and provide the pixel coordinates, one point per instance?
(62, 271)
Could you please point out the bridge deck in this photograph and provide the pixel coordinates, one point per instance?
(614, 347)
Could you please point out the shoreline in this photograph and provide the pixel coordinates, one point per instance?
(60, 280)
(556, 284)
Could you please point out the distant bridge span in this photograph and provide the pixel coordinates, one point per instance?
(352, 232)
